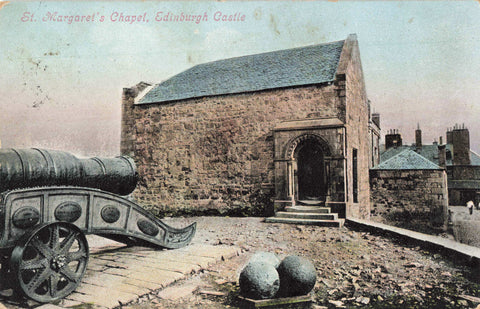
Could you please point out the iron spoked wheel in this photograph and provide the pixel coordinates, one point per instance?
(49, 262)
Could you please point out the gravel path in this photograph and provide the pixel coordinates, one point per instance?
(354, 268)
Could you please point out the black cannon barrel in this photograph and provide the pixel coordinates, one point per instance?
(23, 168)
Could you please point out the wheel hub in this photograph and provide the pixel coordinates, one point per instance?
(58, 262)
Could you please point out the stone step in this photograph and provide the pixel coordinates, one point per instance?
(308, 209)
(317, 222)
(311, 202)
(306, 215)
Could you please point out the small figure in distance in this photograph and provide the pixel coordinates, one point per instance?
(470, 206)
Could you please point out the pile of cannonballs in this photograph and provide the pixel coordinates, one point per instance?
(265, 277)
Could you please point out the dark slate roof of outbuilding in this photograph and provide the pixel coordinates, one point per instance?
(308, 65)
(407, 160)
(427, 151)
(391, 152)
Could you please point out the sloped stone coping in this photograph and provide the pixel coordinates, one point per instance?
(457, 252)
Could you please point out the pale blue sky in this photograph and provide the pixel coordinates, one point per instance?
(420, 59)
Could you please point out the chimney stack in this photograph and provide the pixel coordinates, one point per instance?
(442, 156)
(418, 137)
(393, 139)
(461, 145)
(450, 136)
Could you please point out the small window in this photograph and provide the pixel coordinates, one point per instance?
(355, 176)
(448, 154)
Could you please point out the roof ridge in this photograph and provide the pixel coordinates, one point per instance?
(423, 158)
(266, 53)
(249, 55)
(410, 152)
(474, 152)
(393, 155)
(291, 67)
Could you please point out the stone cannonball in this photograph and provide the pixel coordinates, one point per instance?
(266, 257)
(259, 280)
(297, 276)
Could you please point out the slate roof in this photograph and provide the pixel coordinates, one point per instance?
(391, 152)
(474, 158)
(429, 152)
(308, 65)
(407, 160)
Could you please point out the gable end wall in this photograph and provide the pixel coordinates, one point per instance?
(351, 90)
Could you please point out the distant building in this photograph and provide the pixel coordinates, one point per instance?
(409, 190)
(413, 184)
(257, 132)
(455, 156)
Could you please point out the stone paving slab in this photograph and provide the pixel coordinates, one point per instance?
(119, 276)
(174, 292)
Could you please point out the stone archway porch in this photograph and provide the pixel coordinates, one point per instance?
(329, 135)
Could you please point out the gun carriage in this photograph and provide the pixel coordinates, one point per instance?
(49, 201)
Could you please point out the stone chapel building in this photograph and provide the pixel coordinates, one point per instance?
(256, 133)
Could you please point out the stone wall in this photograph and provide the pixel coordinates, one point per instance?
(128, 122)
(215, 154)
(374, 146)
(352, 91)
(414, 199)
(464, 172)
(463, 184)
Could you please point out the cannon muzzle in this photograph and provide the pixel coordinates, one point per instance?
(24, 168)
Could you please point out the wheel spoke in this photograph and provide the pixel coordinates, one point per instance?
(76, 256)
(42, 248)
(54, 237)
(53, 284)
(34, 264)
(68, 242)
(50, 261)
(68, 274)
(39, 278)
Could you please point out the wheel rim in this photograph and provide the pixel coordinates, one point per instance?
(50, 262)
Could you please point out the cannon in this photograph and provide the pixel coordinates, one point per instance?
(49, 201)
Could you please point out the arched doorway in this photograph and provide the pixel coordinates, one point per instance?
(310, 180)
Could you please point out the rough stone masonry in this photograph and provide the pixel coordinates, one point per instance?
(226, 137)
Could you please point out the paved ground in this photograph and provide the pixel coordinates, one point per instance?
(121, 276)
(355, 268)
(117, 274)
